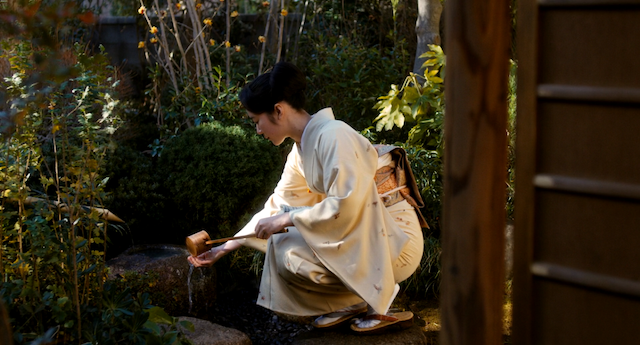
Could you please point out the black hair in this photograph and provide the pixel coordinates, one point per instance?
(284, 83)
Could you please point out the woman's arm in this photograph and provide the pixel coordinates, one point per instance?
(271, 225)
(211, 256)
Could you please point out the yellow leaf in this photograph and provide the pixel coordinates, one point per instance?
(410, 95)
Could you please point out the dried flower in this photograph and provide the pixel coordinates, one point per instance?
(153, 40)
(140, 45)
(265, 4)
(262, 39)
(284, 12)
(153, 30)
(179, 5)
(197, 90)
(142, 10)
(237, 48)
(198, 6)
(234, 14)
(212, 42)
(207, 22)
(163, 14)
(227, 44)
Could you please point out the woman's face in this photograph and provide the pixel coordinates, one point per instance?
(268, 127)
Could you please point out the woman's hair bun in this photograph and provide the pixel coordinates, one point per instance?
(284, 83)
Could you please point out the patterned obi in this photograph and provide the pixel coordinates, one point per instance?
(395, 180)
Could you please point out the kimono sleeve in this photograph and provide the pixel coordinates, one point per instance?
(291, 190)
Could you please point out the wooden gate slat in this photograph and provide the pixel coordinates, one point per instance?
(587, 2)
(587, 186)
(587, 279)
(589, 93)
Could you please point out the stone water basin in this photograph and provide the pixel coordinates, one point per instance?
(164, 272)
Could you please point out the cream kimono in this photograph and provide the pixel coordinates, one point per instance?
(345, 242)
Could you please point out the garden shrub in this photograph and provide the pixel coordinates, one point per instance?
(138, 197)
(214, 174)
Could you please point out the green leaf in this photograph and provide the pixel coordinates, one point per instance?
(158, 315)
(410, 94)
(152, 326)
(187, 325)
(170, 337)
(81, 243)
(63, 300)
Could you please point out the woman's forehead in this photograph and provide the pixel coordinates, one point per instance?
(252, 115)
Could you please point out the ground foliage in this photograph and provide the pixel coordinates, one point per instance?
(52, 256)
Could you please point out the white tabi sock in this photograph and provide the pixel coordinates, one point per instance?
(328, 318)
(371, 311)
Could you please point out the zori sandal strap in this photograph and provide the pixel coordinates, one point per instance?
(380, 317)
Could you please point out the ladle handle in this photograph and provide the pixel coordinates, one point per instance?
(229, 239)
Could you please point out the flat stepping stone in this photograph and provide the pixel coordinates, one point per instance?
(208, 333)
(410, 336)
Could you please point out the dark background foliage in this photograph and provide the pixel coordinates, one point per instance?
(207, 178)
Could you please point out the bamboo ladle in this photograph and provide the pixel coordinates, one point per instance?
(200, 242)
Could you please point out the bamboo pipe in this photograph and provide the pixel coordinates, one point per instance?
(104, 213)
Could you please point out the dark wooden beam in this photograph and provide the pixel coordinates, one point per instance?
(477, 47)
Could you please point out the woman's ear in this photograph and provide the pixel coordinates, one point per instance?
(278, 109)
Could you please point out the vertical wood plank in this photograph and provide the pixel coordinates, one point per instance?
(477, 43)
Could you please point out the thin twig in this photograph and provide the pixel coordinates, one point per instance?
(176, 34)
(304, 17)
(280, 32)
(228, 39)
(264, 44)
(163, 37)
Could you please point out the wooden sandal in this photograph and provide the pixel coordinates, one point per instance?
(344, 316)
(402, 319)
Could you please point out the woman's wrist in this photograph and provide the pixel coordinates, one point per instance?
(223, 249)
(288, 220)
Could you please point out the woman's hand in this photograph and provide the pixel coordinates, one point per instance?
(209, 257)
(271, 225)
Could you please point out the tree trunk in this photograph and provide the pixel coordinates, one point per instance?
(427, 29)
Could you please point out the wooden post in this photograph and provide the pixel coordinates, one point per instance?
(477, 48)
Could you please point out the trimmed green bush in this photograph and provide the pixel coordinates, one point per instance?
(214, 175)
(137, 197)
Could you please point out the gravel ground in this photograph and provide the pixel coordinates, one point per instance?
(237, 309)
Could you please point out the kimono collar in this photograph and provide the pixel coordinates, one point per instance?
(321, 116)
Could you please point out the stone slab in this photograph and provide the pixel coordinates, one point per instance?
(207, 333)
(410, 336)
